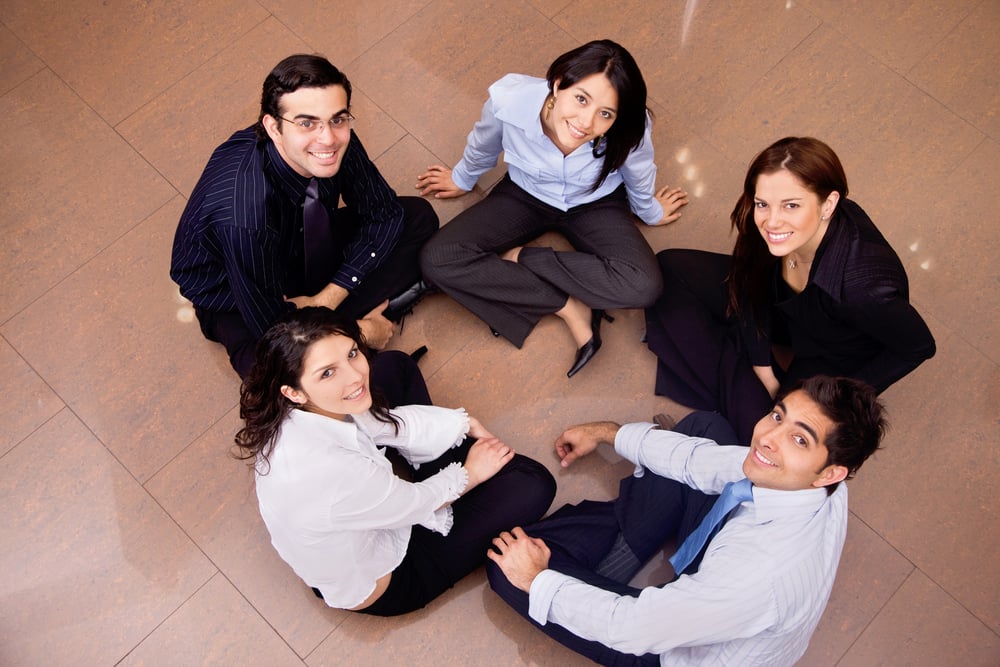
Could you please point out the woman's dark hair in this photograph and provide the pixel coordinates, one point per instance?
(818, 168)
(611, 59)
(298, 71)
(859, 421)
(280, 355)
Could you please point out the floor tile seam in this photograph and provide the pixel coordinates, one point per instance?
(709, 121)
(40, 426)
(24, 45)
(166, 618)
(917, 567)
(152, 475)
(450, 358)
(83, 264)
(935, 48)
(954, 332)
(374, 46)
(971, 122)
(957, 602)
(266, 622)
(166, 90)
(905, 79)
(864, 630)
(207, 58)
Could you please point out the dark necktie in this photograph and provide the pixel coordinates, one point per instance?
(317, 240)
(732, 495)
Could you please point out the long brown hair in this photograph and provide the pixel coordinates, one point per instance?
(280, 355)
(819, 170)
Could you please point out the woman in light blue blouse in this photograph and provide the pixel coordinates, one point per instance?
(579, 161)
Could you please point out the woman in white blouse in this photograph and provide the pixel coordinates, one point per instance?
(363, 538)
(579, 157)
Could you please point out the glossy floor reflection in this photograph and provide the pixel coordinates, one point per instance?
(131, 537)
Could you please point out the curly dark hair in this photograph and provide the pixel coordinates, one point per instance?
(279, 359)
(611, 59)
(819, 170)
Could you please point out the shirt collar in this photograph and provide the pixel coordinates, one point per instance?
(290, 181)
(326, 429)
(524, 115)
(771, 504)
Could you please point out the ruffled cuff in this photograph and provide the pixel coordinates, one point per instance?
(455, 479)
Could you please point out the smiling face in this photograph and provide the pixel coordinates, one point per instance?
(311, 154)
(787, 450)
(582, 112)
(790, 217)
(334, 379)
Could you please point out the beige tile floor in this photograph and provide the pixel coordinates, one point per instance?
(130, 537)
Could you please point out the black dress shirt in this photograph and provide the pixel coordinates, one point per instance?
(854, 317)
(239, 241)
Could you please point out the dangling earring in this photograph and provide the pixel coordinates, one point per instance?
(549, 106)
(596, 150)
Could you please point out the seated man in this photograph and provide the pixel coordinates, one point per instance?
(262, 233)
(754, 594)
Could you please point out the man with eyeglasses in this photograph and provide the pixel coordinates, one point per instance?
(262, 233)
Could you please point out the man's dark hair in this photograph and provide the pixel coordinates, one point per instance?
(858, 417)
(299, 71)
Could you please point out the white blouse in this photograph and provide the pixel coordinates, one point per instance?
(336, 512)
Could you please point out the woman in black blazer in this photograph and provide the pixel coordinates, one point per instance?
(812, 288)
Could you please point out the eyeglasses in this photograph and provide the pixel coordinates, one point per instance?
(314, 125)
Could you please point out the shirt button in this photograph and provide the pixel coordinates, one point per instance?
(354, 279)
(373, 254)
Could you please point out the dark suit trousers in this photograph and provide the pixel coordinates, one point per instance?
(398, 272)
(700, 360)
(649, 511)
(612, 265)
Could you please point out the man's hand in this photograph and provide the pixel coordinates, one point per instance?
(330, 297)
(376, 329)
(521, 557)
(437, 180)
(578, 441)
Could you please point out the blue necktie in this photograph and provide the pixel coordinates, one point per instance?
(734, 494)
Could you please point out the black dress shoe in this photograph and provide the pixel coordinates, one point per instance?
(590, 348)
(402, 304)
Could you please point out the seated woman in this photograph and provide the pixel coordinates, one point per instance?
(362, 537)
(812, 288)
(579, 157)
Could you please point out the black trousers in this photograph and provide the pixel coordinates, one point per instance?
(700, 358)
(649, 511)
(519, 494)
(398, 272)
(612, 265)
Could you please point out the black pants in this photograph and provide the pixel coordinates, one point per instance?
(611, 266)
(701, 362)
(399, 271)
(649, 511)
(520, 493)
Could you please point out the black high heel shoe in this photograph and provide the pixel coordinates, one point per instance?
(590, 348)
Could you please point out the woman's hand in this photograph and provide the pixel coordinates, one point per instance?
(671, 199)
(486, 457)
(477, 430)
(437, 179)
(767, 378)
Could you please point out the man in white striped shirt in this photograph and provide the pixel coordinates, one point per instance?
(759, 587)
